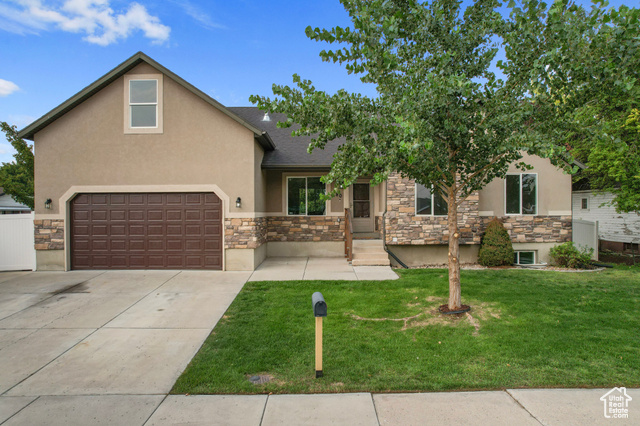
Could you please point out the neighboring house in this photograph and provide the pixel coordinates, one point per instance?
(147, 171)
(616, 231)
(10, 206)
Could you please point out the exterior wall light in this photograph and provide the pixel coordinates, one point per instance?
(238, 202)
(47, 203)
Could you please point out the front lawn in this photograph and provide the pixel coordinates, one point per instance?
(526, 329)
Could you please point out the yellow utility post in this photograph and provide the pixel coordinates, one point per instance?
(319, 311)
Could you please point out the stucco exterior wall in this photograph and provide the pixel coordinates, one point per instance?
(260, 180)
(554, 190)
(199, 145)
(198, 148)
(275, 188)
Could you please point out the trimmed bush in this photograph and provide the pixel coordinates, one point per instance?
(567, 255)
(495, 248)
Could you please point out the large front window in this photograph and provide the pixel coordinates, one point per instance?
(521, 193)
(304, 196)
(429, 202)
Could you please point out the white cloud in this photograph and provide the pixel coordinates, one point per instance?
(7, 87)
(197, 14)
(94, 18)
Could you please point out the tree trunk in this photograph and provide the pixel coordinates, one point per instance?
(455, 298)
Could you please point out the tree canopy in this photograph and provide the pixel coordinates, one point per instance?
(587, 61)
(17, 177)
(442, 116)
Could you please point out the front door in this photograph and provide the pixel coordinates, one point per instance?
(361, 202)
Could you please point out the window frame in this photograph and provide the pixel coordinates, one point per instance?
(584, 203)
(415, 202)
(159, 104)
(517, 255)
(306, 196)
(520, 185)
(132, 104)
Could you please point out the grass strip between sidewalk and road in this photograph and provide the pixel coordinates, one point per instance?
(525, 329)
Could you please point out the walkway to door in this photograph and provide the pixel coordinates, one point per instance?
(318, 268)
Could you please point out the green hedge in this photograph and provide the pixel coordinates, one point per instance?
(495, 248)
(568, 255)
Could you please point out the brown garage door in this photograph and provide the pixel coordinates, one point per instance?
(146, 231)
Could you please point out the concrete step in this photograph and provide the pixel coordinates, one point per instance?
(367, 249)
(367, 243)
(370, 259)
(370, 262)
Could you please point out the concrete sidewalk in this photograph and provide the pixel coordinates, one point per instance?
(512, 406)
(318, 268)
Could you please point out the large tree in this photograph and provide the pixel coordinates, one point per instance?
(441, 115)
(588, 62)
(17, 177)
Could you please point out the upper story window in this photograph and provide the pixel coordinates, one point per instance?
(143, 103)
(521, 193)
(304, 196)
(429, 202)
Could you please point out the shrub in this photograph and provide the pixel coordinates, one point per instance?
(567, 255)
(495, 248)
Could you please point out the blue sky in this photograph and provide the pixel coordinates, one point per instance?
(51, 49)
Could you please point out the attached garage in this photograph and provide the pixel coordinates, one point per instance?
(146, 231)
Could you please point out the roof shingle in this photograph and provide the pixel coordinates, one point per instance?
(290, 152)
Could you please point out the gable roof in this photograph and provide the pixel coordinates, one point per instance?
(291, 152)
(7, 203)
(29, 131)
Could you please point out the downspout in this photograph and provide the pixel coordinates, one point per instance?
(384, 237)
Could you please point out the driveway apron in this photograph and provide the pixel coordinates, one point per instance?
(104, 333)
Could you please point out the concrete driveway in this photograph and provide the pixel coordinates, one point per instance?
(129, 334)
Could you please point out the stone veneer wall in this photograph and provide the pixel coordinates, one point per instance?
(248, 233)
(305, 228)
(49, 234)
(402, 223)
(534, 229)
(408, 229)
(252, 233)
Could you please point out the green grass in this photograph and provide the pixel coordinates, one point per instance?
(536, 329)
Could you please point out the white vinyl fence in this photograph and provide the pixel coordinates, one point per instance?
(585, 234)
(17, 251)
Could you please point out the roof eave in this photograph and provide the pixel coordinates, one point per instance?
(289, 167)
(266, 142)
(14, 209)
